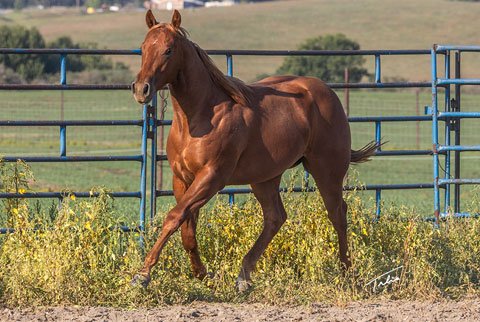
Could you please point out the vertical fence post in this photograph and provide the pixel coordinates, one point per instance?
(63, 141)
(63, 69)
(417, 110)
(447, 130)
(346, 107)
(63, 128)
(153, 174)
(63, 81)
(378, 198)
(143, 178)
(160, 139)
(378, 134)
(436, 192)
(457, 108)
(378, 131)
(378, 73)
(378, 138)
(229, 65)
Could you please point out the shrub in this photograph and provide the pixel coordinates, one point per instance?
(327, 68)
(9, 76)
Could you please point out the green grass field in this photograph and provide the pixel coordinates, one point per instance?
(271, 25)
(374, 24)
(125, 176)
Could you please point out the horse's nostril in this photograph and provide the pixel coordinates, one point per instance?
(146, 89)
(133, 87)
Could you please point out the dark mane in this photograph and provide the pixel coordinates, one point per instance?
(234, 87)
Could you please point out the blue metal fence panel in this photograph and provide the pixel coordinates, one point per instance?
(144, 123)
(150, 124)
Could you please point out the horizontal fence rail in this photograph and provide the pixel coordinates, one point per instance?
(150, 123)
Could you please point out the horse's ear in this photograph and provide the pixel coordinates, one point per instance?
(176, 20)
(150, 19)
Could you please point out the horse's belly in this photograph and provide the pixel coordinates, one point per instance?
(261, 166)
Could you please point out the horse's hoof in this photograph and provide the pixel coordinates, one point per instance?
(211, 275)
(142, 280)
(204, 276)
(210, 279)
(243, 286)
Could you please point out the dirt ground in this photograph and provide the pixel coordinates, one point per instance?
(466, 310)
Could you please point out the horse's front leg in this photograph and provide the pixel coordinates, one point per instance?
(189, 230)
(206, 184)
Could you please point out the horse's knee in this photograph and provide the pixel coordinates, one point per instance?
(174, 219)
(189, 241)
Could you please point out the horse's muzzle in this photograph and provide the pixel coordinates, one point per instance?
(142, 92)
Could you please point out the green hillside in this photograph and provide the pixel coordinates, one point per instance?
(387, 24)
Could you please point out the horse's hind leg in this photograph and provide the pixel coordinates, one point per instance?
(329, 180)
(274, 216)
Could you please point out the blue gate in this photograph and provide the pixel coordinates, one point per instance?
(150, 125)
(451, 116)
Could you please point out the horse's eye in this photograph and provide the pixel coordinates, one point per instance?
(168, 51)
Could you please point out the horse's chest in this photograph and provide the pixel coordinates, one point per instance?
(186, 157)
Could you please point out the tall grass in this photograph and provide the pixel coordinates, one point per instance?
(74, 254)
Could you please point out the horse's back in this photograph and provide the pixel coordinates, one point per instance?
(310, 95)
(329, 131)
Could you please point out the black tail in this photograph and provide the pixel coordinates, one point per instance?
(364, 154)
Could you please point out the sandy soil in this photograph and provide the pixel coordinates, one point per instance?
(467, 310)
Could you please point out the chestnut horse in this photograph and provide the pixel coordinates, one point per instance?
(225, 132)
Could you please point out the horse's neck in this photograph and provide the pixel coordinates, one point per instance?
(194, 93)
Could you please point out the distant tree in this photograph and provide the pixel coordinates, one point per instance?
(327, 68)
(74, 63)
(29, 66)
(77, 63)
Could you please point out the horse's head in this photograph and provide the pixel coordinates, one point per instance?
(161, 57)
